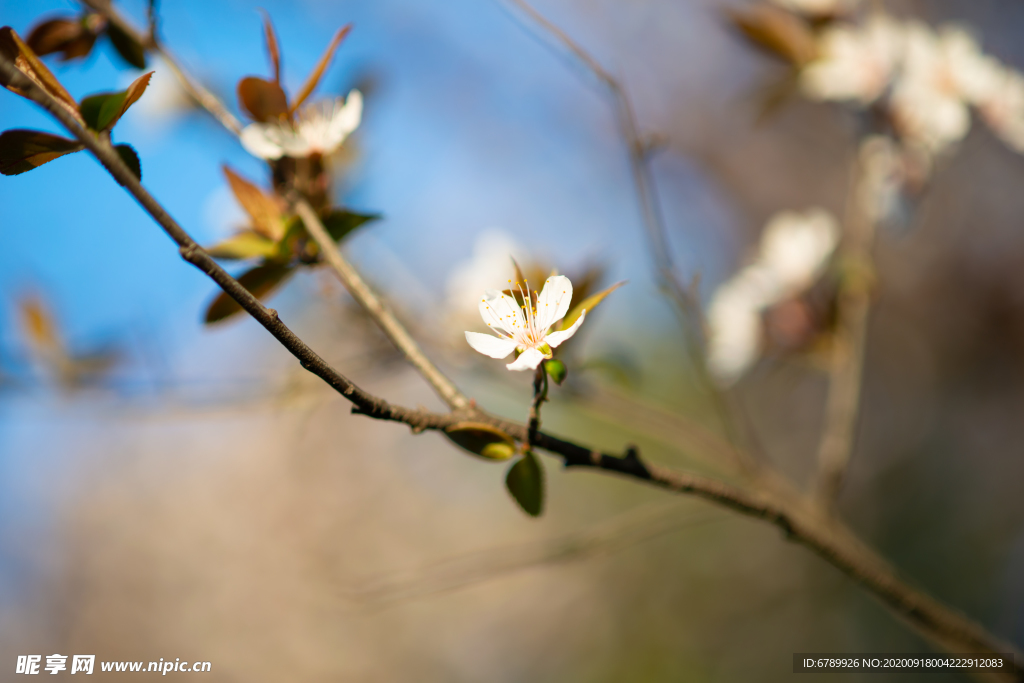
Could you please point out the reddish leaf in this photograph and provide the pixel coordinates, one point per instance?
(54, 35)
(79, 47)
(38, 323)
(260, 281)
(318, 72)
(23, 150)
(264, 101)
(16, 51)
(264, 210)
(272, 50)
(777, 32)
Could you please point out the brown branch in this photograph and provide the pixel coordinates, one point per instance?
(801, 523)
(378, 309)
(203, 97)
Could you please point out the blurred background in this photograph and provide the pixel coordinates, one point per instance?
(169, 489)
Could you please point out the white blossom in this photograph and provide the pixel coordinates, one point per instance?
(526, 328)
(319, 128)
(942, 73)
(794, 250)
(1002, 107)
(855, 62)
(488, 262)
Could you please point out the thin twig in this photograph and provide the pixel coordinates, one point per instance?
(846, 371)
(153, 19)
(687, 303)
(801, 523)
(378, 309)
(639, 156)
(203, 97)
(609, 536)
(375, 307)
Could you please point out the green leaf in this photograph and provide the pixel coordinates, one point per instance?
(341, 222)
(244, 245)
(23, 150)
(127, 46)
(130, 158)
(99, 110)
(587, 304)
(525, 481)
(482, 439)
(261, 281)
(556, 370)
(103, 110)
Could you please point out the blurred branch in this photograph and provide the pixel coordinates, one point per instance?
(771, 501)
(685, 298)
(612, 535)
(378, 309)
(846, 370)
(640, 150)
(203, 97)
(153, 18)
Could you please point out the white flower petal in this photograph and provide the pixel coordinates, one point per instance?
(856, 62)
(261, 140)
(556, 338)
(795, 246)
(734, 336)
(553, 302)
(528, 360)
(345, 120)
(501, 312)
(495, 347)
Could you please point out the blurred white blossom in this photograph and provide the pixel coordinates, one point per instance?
(855, 62)
(942, 73)
(1002, 107)
(319, 128)
(489, 263)
(164, 99)
(926, 80)
(795, 247)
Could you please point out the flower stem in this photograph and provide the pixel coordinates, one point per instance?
(540, 394)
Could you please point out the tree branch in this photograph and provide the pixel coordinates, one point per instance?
(826, 537)
(378, 309)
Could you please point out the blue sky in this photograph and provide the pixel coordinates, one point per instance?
(473, 123)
